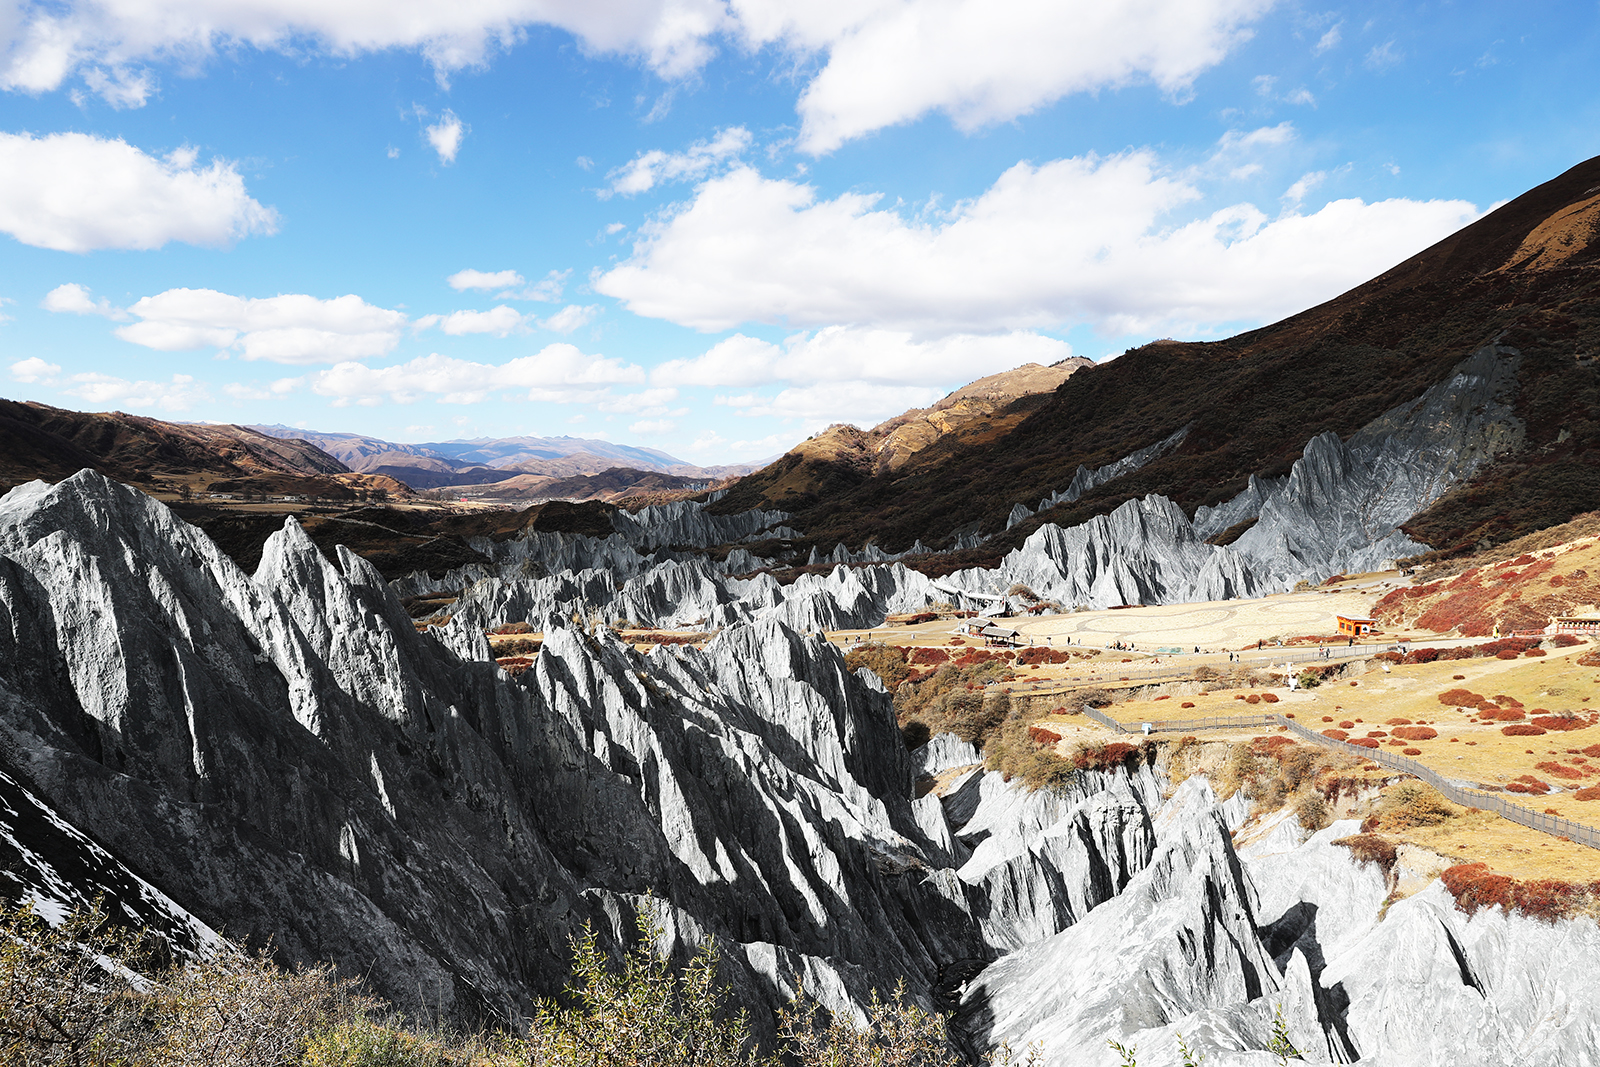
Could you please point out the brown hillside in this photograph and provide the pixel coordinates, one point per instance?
(1526, 274)
(39, 441)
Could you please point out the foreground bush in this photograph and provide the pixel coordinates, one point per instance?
(87, 994)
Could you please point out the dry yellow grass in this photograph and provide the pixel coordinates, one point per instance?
(1480, 755)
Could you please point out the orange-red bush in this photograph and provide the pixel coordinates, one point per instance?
(1365, 742)
(1337, 735)
(1043, 735)
(1412, 751)
(1589, 793)
(1269, 698)
(1416, 733)
(1475, 886)
(1560, 722)
(1522, 729)
(1558, 770)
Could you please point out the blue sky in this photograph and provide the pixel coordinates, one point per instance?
(715, 226)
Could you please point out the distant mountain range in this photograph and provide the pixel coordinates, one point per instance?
(534, 462)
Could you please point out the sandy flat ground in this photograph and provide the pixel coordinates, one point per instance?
(1222, 624)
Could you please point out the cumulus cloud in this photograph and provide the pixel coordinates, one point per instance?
(840, 354)
(559, 372)
(107, 42)
(284, 329)
(878, 62)
(571, 317)
(650, 169)
(74, 299)
(1084, 240)
(500, 321)
(890, 62)
(476, 279)
(180, 394)
(445, 136)
(75, 193)
(34, 370)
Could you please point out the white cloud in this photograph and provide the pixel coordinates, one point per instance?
(1302, 96)
(119, 87)
(500, 321)
(49, 42)
(845, 354)
(74, 193)
(445, 136)
(477, 279)
(1297, 192)
(653, 168)
(74, 299)
(652, 427)
(285, 329)
(879, 62)
(816, 406)
(559, 373)
(180, 394)
(1085, 240)
(644, 402)
(1384, 56)
(34, 370)
(571, 317)
(1328, 41)
(890, 62)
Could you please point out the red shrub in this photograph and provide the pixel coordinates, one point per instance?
(928, 655)
(1590, 793)
(1416, 733)
(1534, 785)
(1366, 742)
(1040, 654)
(1377, 733)
(1560, 722)
(1347, 725)
(1464, 697)
(1592, 750)
(1164, 696)
(1535, 652)
(1187, 704)
(1105, 757)
(1506, 653)
(1327, 718)
(1565, 640)
(1253, 698)
(1398, 722)
(1043, 735)
(1522, 729)
(1517, 787)
(1504, 715)
(1558, 770)
(1337, 735)
(1413, 751)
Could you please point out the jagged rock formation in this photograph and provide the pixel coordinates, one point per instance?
(1338, 509)
(284, 755)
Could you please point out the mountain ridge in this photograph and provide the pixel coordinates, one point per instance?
(1253, 401)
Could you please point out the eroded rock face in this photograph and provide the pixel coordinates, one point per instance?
(286, 757)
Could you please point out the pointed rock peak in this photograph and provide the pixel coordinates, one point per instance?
(289, 550)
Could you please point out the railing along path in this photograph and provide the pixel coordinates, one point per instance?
(1554, 825)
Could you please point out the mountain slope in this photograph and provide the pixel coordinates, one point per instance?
(1527, 275)
(39, 441)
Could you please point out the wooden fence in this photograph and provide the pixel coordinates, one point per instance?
(1554, 825)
